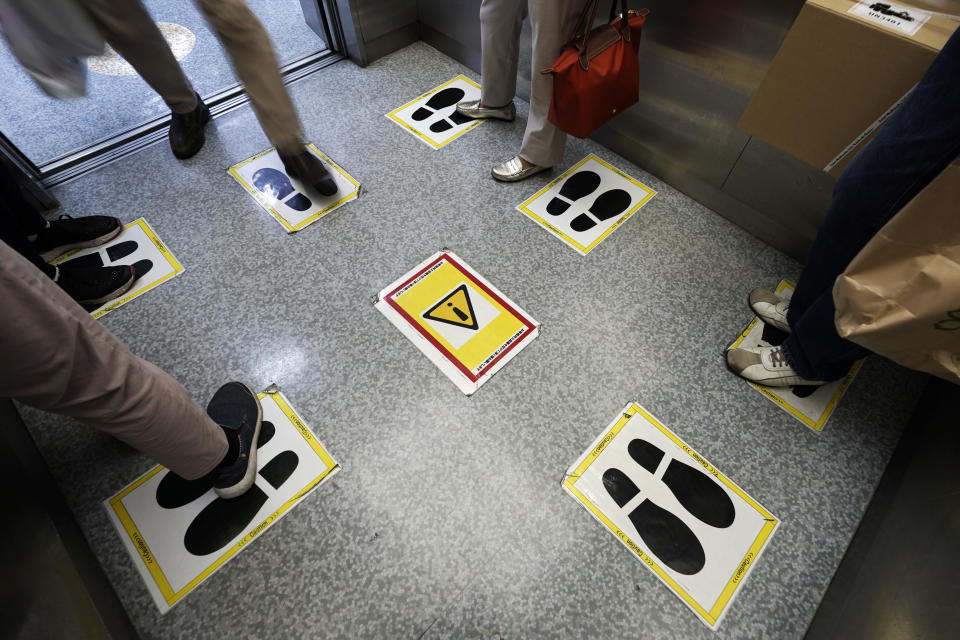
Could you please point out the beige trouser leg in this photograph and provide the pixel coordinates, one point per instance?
(245, 39)
(551, 21)
(129, 29)
(57, 358)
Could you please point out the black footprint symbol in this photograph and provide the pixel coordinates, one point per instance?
(223, 520)
(454, 119)
(141, 267)
(580, 184)
(275, 184)
(608, 205)
(114, 253)
(174, 492)
(776, 337)
(439, 100)
(667, 536)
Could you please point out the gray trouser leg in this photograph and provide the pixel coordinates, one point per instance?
(500, 24)
(552, 22)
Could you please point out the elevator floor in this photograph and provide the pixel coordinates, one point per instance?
(44, 128)
(448, 519)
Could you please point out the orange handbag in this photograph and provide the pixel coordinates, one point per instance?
(598, 73)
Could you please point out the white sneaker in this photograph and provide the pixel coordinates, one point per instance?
(765, 365)
(770, 308)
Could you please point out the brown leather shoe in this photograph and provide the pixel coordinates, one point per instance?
(186, 130)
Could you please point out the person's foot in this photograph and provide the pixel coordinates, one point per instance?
(474, 109)
(307, 168)
(767, 366)
(94, 286)
(770, 308)
(236, 408)
(186, 130)
(515, 169)
(67, 233)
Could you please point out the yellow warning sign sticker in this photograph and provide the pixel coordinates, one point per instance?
(467, 327)
(456, 309)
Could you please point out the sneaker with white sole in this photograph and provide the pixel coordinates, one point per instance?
(68, 233)
(770, 308)
(235, 407)
(94, 286)
(767, 366)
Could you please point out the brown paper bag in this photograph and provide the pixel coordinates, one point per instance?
(900, 297)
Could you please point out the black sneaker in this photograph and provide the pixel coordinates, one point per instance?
(68, 233)
(93, 286)
(186, 130)
(236, 408)
(308, 169)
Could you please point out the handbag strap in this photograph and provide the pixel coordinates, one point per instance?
(580, 26)
(593, 5)
(613, 9)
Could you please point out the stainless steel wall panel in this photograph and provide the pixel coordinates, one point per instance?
(769, 180)
(457, 19)
(685, 121)
(701, 62)
(374, 28)
(380, 17)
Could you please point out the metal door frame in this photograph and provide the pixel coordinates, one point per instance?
(320, 15)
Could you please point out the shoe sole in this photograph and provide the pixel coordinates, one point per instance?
(113, 294)
(774, 383)
(479, 115)
(520, 176)
(251, 475)
(56, 252)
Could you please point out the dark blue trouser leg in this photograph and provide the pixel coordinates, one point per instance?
(916, 143)
(18, 220)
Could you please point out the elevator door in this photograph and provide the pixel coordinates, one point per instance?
(120, 105)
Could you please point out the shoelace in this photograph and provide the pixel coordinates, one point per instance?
(777, 359)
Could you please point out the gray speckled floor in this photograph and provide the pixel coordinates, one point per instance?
(113, 103)
(448, 520)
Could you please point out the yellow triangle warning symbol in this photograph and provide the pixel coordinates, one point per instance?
(455, 308)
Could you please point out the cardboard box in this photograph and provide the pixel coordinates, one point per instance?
(838, 73)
